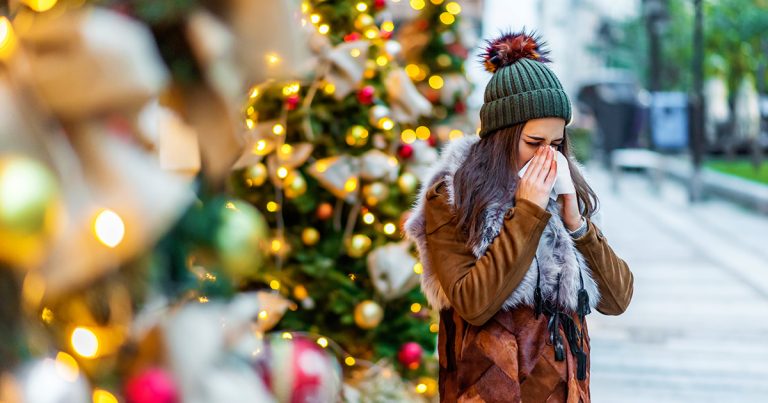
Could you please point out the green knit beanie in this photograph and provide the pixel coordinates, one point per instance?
(522, 87)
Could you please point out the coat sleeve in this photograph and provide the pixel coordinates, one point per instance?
(477, 288)
(614, 279)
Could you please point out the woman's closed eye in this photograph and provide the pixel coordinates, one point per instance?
(558, 146)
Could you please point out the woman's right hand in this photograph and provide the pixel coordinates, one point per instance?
(538, 180)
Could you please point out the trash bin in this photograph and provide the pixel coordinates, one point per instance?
(669, 121)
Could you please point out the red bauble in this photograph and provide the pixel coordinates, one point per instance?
(432, 140)
(405, 151)
(379, 4)
(300, 371)
(460, 107)
(365, 95)
(386, 34)
(324, 211)
(151, 386)
(410, 354)
(291, 102)
(354, 36)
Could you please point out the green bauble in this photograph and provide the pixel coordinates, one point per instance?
(241, 239)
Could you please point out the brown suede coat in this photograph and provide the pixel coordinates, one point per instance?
(492, 355)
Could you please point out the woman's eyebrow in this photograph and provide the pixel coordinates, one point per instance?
(541, 138)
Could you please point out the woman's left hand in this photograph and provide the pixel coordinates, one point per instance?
(569, 208)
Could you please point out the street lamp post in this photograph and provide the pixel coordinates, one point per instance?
(696, 103)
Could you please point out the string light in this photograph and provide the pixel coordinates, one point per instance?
(322, 342)
(423, 133)
(408, 136)
(255, 93)
(350, 185)
(102, 396)
(388, 26)
(278, 129)
(386, 123)
(361, 7)
(329, 89)
(47, 315)
(273, 58)
(109, 228)
(447, 18)
(276, 245)
(371, 33)
(436, 82)
(415, 307)
(314, 18)
(369, 218)
(84, 342)
(412, 70)
(437, 2)
(389, 228)
(260, 148)
(453, 8)
(7, 38)
(455, 134)
(40, 5)
(250, 124)
(421, 388)
(274, 284)
(418, 268)
(202, 300)
(349, 361)
(263, 315)
(324, 29)
(272, 207)
(382, 60)
(287, 336)
(434, 328)
(282, 172)
(417, 4)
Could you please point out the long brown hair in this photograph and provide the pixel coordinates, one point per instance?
(492, 165)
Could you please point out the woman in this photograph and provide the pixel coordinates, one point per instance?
(512, 271)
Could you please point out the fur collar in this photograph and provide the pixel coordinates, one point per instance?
(556, 253)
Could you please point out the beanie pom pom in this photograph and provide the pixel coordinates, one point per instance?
(511, 47)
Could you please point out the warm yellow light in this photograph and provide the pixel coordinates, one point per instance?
(278, 129)
(392, 161)
(361, 7)
(417, 4)
(102, 396)
(109, 228)
(321, 166)
(386, 123)
(447, 18)
(354, 52)
(263, 315)
(323, 342)
(408, 136)
(350, 185)
(272, 58)
(412, 70)
(260, 148)
(382, 60)
(418, 268)
(304, 7)
(202, 300)
(255, 93)
(84, 342)
(421, 388)
(434, 328)
(66, 367)
(369, 218)
(388, 26)
(250, 124)
(323, 29)
(282, 172)
(415, 307)
(329, 89)
(436, 82)
(40, 5)
(314, 18)
(371, 33)
(276, 246)
(437, 2)
(47, 315)
(274, 284)
(389, 228)
(272, 207)
(7, 38)
(286, 150)
(287, 336)
(349, 361)
(422, 133)
(455, 134)
(453, 8)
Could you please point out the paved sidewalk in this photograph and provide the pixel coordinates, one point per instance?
(697, 328)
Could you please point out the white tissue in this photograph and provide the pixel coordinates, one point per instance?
(563, 182)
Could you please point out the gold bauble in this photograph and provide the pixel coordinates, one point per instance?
(255, 175)
(295, 185)
(241, 238)
(375, 193)
(310, 236)
(407, 183)
(363, 21)
(368, 314)
(358, 245)
(357, 136)
(430, 386)
(29, 199)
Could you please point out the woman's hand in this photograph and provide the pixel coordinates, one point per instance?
(538, 180)
(569, 208)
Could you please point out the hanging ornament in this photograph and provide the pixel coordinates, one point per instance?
(272, 307)
(407, 182)
(153, 385)
(375, 193)
(324, 211)
(365, 95)
(28, 207)
(405, 151)
(405, 99)
(241, 237)
(410, 355)
(391, 269)
(295, 185)
(357, 136)
(353, 36)
(379, 4)
(301, 371)
(285, 160)
(310, 236)
(376, 164)
(339, 175)
(379, 116)
(368, 314)
(255, 175)
(291, 102)
(358, 245)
